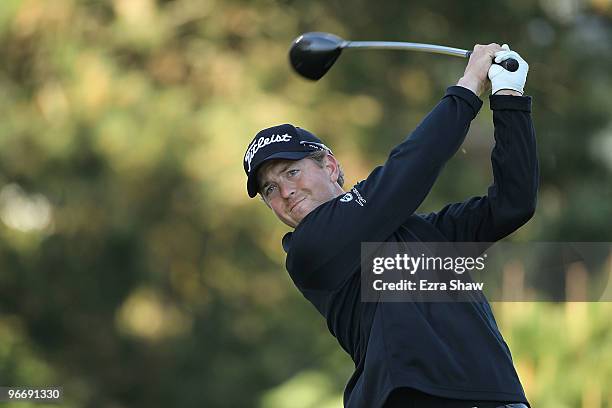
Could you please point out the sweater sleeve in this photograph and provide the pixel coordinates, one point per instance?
(394, 191)
(511, 199)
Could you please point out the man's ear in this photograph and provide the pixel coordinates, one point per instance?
(332, 167)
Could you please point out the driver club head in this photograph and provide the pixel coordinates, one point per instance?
(313, 54)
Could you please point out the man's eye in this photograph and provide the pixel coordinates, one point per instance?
(269, 190)
(293, 172)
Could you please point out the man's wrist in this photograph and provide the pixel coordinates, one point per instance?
(470, 83)
(508, 92)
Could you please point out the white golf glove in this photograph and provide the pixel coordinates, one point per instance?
(503, 79)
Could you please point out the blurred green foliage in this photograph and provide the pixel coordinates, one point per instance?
(135, 271)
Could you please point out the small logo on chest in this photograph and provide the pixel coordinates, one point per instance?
(353, 195)
(346, 198)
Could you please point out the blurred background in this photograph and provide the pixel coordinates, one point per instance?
(134, 269)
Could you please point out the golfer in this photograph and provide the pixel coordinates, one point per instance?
(406, 354)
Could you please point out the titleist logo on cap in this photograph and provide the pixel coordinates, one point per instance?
(261, 143)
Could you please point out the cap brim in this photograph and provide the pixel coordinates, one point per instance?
(252, 186)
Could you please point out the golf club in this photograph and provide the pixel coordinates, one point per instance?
(313, 54)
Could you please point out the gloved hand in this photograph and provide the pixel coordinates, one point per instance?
(503, 79)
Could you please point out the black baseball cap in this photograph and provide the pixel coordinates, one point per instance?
(278, 142)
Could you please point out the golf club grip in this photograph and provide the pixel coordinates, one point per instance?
(509, 65)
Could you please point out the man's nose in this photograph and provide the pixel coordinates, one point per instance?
(286, 190)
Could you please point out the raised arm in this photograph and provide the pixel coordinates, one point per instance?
(511, 199)
(398, 188)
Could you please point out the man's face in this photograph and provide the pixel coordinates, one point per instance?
(292, 189)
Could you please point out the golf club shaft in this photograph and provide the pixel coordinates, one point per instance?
(509, 64)
(438, 49)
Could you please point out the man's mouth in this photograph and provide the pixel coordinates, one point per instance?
(293, 206)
